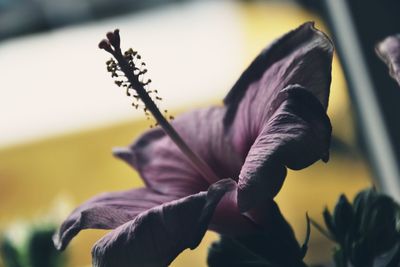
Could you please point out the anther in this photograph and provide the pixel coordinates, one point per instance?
(147, 82)
(128, 57)
(131, 52)
(142, 72)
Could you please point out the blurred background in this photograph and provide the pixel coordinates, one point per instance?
(60, 113)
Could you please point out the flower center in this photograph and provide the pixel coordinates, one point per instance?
(128, 65)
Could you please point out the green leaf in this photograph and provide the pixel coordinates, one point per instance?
(361, 203)
(343, 219)
(339, 257)
(322, 230)
(328, 219)
(395, 260)
(380, 224)
(360, 256)
(304, 247)
(10, 254)
(41, 250)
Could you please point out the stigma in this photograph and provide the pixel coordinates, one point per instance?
(129, 71)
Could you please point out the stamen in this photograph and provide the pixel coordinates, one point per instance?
(127, 63)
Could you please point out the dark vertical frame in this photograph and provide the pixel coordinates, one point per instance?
(357, 25)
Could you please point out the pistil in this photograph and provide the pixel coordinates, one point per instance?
(132, 72)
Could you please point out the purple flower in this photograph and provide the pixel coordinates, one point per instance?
(274, 117)
(389, 51)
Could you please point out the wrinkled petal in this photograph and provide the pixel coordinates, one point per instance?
(157, 236)
(302, 56)
(389, 51)
(107, 211)
(271, 128)
(163, 166)
(296, 135)
(228, 219)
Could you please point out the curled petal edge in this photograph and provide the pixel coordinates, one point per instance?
(157, 236)
(297, 135)
(389, 51)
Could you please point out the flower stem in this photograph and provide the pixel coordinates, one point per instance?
(133, 79)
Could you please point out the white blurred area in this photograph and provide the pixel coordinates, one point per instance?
(56, 82)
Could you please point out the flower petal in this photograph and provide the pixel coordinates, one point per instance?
(107, 211)
(389, 51)
(163, 166)
(302, 56)
(296, 135)
(228, 220)
(157, 236)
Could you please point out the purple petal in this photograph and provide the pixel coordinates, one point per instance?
(228, 219)
(107, 211)
(157, 236)
(163, 166)
(389, 51)
(296, 135)
(302, 56)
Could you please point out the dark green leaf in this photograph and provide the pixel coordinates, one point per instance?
(380, 224)
(395, 261)
(360, 256)
(343, 219)
(304, 247)
(361, 202)
(339, 257)
(322, 230)
(42, 252)
(329, 222)
(10, 254)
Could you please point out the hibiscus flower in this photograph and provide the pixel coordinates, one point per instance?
(272, 119)
(389, 51)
